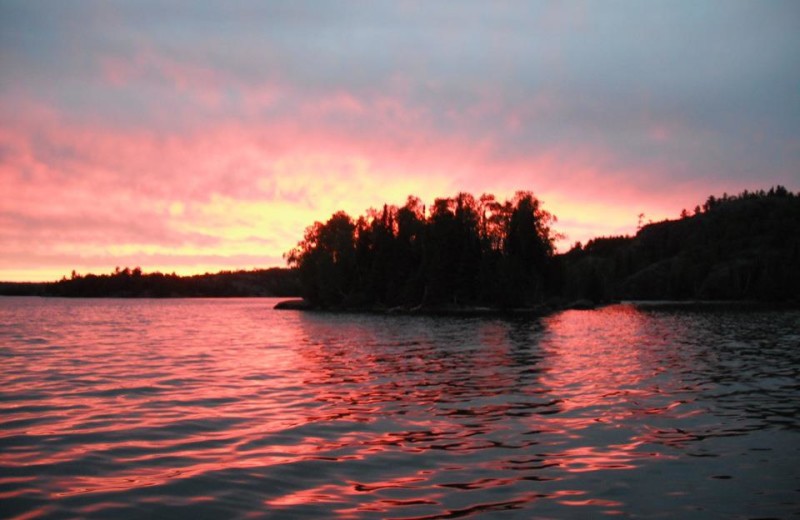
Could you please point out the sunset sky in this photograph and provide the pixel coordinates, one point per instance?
(198, 136)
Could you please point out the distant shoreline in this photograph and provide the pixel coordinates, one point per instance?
(275, 282)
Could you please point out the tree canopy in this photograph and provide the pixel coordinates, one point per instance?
(461, 251)
(467, 251)
(734, 247)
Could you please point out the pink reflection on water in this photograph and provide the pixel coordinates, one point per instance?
(604, 375)
(595, 357)
(345, 415)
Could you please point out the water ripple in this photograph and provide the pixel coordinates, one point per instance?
(228, 409)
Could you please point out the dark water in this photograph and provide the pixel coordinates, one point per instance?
(228, 409)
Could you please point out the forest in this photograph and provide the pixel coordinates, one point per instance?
(133, 283)
(467, 251)
(460, 251)
(741, 247)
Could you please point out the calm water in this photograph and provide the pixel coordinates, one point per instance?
(228, 409)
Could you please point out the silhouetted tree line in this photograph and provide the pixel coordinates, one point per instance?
(745, 246)
(460, 251)
(464, 251)
(132, 283)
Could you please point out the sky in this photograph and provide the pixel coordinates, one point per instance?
(197, 136)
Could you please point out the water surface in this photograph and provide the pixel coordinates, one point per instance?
(229, 409)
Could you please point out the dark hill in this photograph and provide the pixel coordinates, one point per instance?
(745, 247)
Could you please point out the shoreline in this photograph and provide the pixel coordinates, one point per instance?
(303, 305)
(537, 311)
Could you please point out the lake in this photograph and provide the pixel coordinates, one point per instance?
(229, 409)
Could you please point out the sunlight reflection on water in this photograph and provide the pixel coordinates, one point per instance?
(226, 408)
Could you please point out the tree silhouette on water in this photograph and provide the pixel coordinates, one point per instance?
(462, 251)
(467, 251)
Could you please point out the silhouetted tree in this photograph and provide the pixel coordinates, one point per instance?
(466, 251)
(326, 259)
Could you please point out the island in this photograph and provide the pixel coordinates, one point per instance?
(482, 255)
